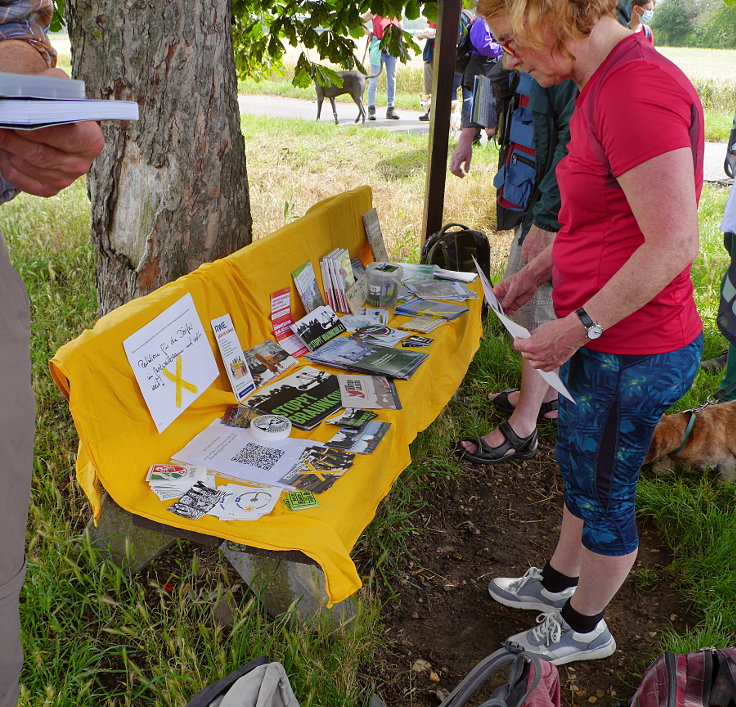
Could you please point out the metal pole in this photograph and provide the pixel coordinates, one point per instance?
(448, 20)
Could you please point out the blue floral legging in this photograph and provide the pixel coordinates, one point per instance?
(603, 438)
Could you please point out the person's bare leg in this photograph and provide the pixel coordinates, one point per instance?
(600, 576)
(567, 556)
(523, 420)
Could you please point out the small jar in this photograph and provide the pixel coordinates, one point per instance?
(384, 283)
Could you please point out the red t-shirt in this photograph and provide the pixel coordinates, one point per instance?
(380, 24)
(636, 106)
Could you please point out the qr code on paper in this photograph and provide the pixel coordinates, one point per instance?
(262, 457)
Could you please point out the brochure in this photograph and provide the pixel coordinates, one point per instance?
(306, 397)
(357, 293)
(417, 272)
(368, 358)
(268, 361)
(429, 308)
(318, 468)
(318, 327)
(377, 316)
(373, 392)
(374, 236)
(281, 321)
(443, 290)
(361, 441)
(358, 267)
(238, 374)
(306, 285)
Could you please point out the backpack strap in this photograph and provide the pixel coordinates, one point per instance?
(487, 667)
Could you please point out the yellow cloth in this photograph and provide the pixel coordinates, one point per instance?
(118, 439)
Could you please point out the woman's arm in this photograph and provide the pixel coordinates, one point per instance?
(661, 193)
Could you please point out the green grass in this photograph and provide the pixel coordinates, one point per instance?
(94, 636)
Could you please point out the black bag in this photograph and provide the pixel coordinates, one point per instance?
(454, 250)
(528, 675)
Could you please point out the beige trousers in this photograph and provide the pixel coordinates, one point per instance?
(17, 417)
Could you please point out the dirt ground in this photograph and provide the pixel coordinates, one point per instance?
(497, 522)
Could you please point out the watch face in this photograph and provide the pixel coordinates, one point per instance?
(595, 331)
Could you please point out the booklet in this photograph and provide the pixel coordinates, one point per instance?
(361, 441)
(318, 468)
(429, 308)
(423, 325)
(368, 358)
(306, 285)
(306, 397)
(30, 102)
(318, 327)
(361, 391)
(268, 361)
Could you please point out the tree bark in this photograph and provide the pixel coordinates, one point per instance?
(169, 191)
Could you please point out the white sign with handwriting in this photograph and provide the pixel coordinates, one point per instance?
(172, 361)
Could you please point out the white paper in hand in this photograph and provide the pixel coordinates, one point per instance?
(516, 330)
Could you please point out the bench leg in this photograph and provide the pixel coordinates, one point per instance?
(279, 583)
(129, 546)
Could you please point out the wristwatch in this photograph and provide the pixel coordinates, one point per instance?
(593, 329)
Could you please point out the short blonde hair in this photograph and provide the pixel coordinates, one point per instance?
(531, 20)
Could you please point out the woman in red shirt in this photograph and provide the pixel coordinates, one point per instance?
(628, 336)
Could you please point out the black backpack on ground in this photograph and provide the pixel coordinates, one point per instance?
(455, 249)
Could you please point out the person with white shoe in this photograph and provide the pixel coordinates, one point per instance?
(627, 336)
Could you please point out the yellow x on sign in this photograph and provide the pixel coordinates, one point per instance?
(180, 382)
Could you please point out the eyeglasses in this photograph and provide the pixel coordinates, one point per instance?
(506, 45)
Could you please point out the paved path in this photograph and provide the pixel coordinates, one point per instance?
(279, 107)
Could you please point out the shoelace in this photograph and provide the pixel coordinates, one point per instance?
(550, 630)
(531, 573)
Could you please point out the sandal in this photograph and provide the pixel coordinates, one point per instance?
(501, 402)
(524, 447)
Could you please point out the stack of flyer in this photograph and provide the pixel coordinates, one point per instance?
(337, 277)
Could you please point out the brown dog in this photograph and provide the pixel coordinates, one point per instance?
(711, 443)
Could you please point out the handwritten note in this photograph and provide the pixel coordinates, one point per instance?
(172, 361)
(549, 377)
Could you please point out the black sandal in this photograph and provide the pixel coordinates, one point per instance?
(524, 447)
(501, 402)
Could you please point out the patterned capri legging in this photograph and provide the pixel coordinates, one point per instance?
(603, 438)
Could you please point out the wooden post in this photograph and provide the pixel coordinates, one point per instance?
(448, 20)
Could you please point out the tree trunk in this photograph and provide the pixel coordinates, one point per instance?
(169, 191)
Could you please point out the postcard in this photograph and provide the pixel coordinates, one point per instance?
(360, 441)
(371, 392)
(268, 361)
(318, 468)
(305, 282)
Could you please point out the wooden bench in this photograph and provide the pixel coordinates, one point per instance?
(118, 439)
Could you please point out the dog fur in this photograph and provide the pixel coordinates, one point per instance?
(353, 83)
(425, 101)
(712, 442)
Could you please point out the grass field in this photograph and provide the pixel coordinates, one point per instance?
(94, 637)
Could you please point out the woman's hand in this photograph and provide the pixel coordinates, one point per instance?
(553, 343)
(515, 290)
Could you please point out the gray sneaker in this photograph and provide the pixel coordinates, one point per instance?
(556, 642)
(527, 592)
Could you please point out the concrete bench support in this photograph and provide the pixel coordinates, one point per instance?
(128, 545)
(280, 583)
